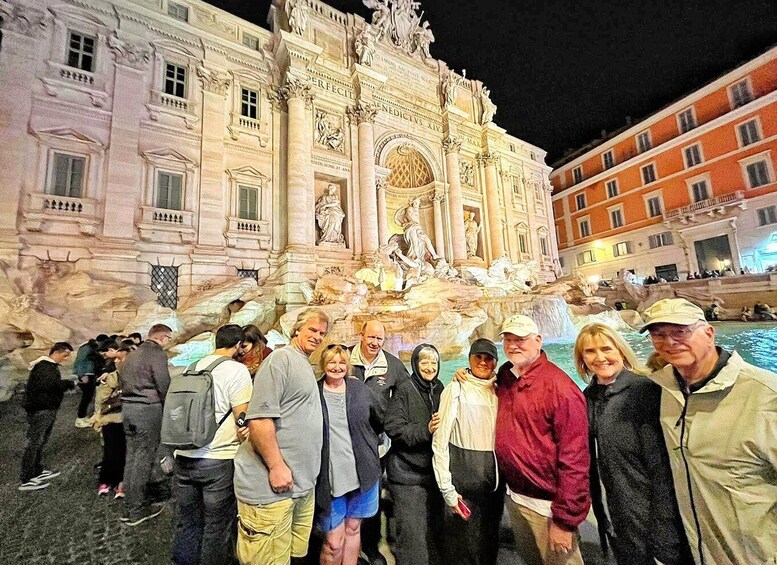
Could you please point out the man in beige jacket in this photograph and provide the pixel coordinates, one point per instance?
(719, 418)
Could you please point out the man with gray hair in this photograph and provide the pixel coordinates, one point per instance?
(276, 470)
(719, 417)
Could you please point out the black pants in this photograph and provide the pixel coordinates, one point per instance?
(207, 528)
(87, 394)
(114, 454)
(142, 426)
(475, 541)
(40, 424)
(418, 511)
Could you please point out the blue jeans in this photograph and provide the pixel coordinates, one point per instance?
(207, 527)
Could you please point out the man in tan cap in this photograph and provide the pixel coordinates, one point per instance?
(719, 418)
(541, 446)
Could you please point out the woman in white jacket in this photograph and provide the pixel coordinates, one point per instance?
(464, 461)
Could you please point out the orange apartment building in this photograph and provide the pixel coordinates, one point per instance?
(690, 188)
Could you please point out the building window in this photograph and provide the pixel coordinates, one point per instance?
(523, 244)
(544, 245)
(178, 11)
(686, 121)
(748, 133)
(577, 174)
(740, 93)
(175, 80)
(580, 201)
(608, 159)
(249, 103)
(68, 176)
(586, 257)
(248, 274)
(654, 206)
(612, 188)
(616, 218)
(643, 142)
(585, 228)
(700, 191)
(767, 216)
(251, 42)
(692, 155)
(660, 240)
(621, 249)
(80, 51)
(248, 208)
(757, 173)
(648, 173)
(169, 191)
(164, 281)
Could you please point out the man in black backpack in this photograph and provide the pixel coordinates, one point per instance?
(144, 379)
(203, 477)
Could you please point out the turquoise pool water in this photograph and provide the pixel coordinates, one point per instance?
(756, 342)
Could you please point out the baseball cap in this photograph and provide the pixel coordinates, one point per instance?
(519, 325)
(672, 311)
(485, 346)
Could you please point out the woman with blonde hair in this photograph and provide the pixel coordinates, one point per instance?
(348, 487)
(631, 481)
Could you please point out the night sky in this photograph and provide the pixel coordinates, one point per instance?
(561, 71)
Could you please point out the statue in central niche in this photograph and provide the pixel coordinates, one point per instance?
(418, 243)
(330, 216)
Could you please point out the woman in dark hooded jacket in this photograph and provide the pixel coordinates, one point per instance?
(411, 420)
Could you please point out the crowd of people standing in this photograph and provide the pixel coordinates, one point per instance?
(679, 465)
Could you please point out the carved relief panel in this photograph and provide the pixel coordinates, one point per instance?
(329, 131)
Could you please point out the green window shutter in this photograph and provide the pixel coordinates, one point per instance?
(76, 177)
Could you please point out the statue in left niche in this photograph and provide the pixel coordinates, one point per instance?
(297, 12)
(330, 216)
(329, 133)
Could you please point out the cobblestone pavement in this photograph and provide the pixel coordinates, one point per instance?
(67, 523)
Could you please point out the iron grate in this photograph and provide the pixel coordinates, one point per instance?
(164, 281)
(248, 274)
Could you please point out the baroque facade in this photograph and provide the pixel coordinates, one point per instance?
(170, 143)
(688, 189)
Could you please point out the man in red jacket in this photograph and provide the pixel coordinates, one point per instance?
(541, 447)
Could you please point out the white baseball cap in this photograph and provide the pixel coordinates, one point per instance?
(672, 311)
(519, 325)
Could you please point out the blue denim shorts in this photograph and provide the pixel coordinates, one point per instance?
(355, 504)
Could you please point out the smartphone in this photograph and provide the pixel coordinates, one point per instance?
(464, 509)
(241, 420)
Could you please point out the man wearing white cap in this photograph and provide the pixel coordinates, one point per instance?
(719, 418)
(541, 446)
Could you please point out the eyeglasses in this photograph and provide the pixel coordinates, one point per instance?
(681, 333)
(333, 345)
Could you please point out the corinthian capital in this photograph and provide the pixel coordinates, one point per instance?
(129, 54)
(213, 81)
(451, 145)
(297, 87)
(363, 112)
(488, 159)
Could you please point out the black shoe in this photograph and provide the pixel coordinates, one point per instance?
(147, 513)
(374, 557)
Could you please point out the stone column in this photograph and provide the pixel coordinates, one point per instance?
(488, 161)
(439, 236)
(300, 199)
(452, 146)
(382, 212)
(364, 113)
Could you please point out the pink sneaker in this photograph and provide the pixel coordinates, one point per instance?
(103, 490)
(119, 491)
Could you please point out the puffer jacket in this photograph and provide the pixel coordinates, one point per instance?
(102, 393)
(722, 446)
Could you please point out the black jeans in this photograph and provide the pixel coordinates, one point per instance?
(475, 541)
(40, 423)
(418, 511)
(142, 426)
(207, 528)
(114, 454)
(87, 394)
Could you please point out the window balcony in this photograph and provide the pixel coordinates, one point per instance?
(60, 214)
(59, 76)
(248, 233)
(169, 226)
(181, 108)
(710, 206)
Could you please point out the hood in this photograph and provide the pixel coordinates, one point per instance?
(39, 359)
(414, 365)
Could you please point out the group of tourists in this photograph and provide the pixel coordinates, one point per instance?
(680, 465)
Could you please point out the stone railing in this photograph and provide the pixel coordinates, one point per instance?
(706, 205)
(63, 205)
(248, 233)
(77, 75)
(169, 226)
(174, 102)
(58, 212)
(248, 123)
(167, 217)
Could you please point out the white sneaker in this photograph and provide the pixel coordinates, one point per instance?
(33, 485)
(46, 475)
(82, 422)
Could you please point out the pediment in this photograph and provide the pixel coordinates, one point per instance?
(246, 171)
(67, 134)
(167, 154)
(72, 13)
(169, 46)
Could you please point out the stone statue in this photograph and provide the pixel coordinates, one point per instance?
(330, 216)
(471, 231)
(422, 38)
(364, 45)
(450, 89)
(488, 107)
(328, 133)
(381, 17)
(297, 13)
(418, 243)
